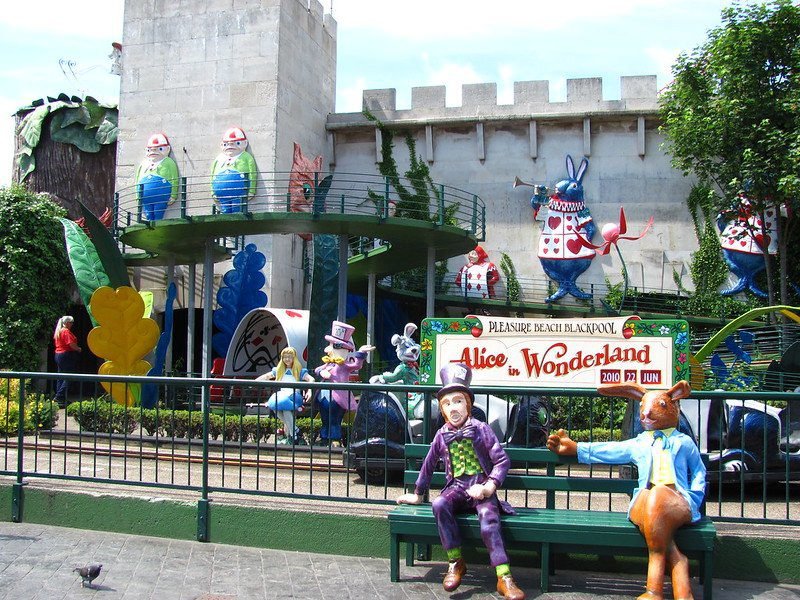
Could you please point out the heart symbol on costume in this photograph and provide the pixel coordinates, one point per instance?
(574, 246)
(546, 240)
(569, 227)
(743, 243)
(553, 222)
(545, 250)
(555, 250)
(569, 217)
(762, 241)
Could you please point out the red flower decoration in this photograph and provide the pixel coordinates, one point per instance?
(613, 233)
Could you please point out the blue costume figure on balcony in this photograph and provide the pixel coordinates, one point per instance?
(561, 253)
(156, 178)
(233, 174)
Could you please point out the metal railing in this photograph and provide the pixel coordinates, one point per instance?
(349, 193)
(217, 447)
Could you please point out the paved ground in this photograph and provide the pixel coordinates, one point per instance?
(36, 562)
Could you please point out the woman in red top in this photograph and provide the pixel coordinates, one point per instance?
(66, 354)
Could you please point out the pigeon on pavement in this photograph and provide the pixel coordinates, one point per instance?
(88, 573)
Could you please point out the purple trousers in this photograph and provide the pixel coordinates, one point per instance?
(453, 500)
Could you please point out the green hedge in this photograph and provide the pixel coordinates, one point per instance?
(103, 415)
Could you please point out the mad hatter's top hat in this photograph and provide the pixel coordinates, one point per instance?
(340, 335)
(456, 377)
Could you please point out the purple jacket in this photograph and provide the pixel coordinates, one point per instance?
(341, 374)
(491, 455)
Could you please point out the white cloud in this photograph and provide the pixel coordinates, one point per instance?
(453, 76)
(94, 19)
(662, 59)
(350, 98)
(505, 85)
(448, 19)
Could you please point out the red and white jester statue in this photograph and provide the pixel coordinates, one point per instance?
(476, 279)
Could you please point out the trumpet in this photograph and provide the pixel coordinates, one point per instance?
(538, 190)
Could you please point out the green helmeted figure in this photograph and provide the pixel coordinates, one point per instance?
(233, 174)
(156, 178)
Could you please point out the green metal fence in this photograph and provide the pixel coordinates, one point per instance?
(215, 447)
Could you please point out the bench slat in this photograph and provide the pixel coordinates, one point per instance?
(547, 483)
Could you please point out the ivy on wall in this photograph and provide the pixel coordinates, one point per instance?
(414, 192)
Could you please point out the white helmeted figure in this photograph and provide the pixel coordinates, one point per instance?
(156, 178)
(233, 174)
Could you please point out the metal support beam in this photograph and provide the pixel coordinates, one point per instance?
(208, 288)
(341, 312)
(170, 280)
(371, 284)
(190, 305)
(430, 282)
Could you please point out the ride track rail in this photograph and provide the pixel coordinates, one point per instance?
(170, 456)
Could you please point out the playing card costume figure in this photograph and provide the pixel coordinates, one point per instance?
(672, 478)
(742, 239)
(476, 279)
(233, 174)
(561, 253)
(475, 465)
(156, 178)
(340, 361)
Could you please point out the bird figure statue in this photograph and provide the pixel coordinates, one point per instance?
(88, 573)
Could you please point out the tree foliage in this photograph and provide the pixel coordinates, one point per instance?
(731, 113)
(35, 279)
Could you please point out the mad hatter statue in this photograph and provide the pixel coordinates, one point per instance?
(476, 465)
(156, 178)
(233, 174)
(340, 361)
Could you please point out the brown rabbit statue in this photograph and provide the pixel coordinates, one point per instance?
(672, 479)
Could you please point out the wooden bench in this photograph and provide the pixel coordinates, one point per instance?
(546, 529)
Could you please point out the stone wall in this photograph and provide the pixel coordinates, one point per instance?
(482, 146)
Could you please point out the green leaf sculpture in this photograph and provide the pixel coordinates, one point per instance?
(107, 249)
(86, 264)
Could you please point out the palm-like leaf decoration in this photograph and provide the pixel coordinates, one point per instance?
(86, 264)
(240, 294)
(123, 338)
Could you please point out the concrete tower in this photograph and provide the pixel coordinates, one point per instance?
(194, 68)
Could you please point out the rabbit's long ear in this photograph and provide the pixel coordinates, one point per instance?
(582, 168)
(570, 167)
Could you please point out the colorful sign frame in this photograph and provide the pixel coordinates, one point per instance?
(557, 353)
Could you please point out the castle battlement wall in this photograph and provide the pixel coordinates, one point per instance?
(638, 94)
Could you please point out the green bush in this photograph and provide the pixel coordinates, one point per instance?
(598, 434)
(104, 416)
(580, 412)
(40, 412)
(31, 243)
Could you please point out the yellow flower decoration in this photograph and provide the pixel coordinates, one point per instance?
(123, 337)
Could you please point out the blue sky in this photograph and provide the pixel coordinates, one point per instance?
(382, 44)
